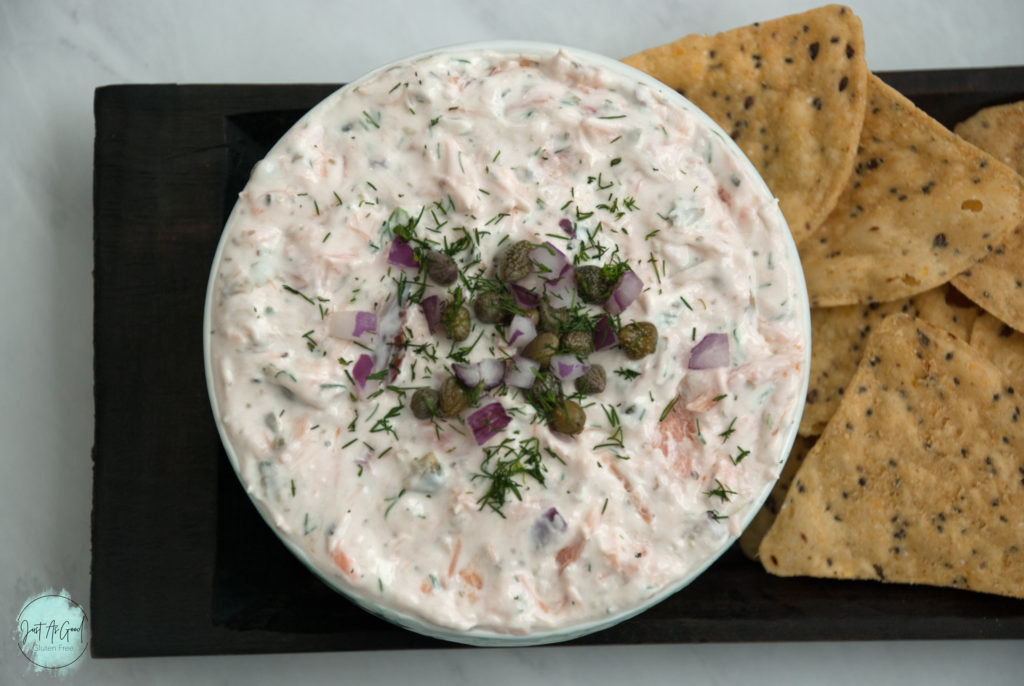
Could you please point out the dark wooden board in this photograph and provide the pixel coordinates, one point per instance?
(182, 563)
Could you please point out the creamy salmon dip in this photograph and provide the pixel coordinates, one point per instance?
(507, 511)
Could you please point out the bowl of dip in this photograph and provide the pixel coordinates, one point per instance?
(506, 342)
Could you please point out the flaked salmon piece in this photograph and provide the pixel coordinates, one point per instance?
(344, 563)
(644, 513)
(570, 553)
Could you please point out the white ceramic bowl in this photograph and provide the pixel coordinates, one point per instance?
(492, 638)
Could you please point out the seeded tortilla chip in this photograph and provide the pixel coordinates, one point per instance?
(998, 131)
(762, 521)
(997, 282)
(919, 478)
(791, 93)
(922, 206)
(838, 335)
(1002, 345)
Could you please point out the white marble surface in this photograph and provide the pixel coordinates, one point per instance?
(52, 56)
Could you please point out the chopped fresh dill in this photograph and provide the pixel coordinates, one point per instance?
(720, 491)
(507, 466)
(739, 457)
(393, 500)
(729, 431)
(627, 374)
(300, 294)
(668, 409)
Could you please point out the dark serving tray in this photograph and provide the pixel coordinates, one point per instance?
(181, 561)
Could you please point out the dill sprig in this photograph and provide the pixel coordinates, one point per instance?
(720, 491)
(507, 466)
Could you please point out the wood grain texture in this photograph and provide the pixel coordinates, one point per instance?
(182, 562)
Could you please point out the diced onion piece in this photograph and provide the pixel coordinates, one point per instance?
(362, 370)
(521, 372)
(492, 373)
(567, 367)
(604, 334)
(551, 263)
(352, 325)
(711, 353)
(523, 297)
(626, 291)
(432, 311)
(567, 226)
(401, 254)
(550, 521)
(555, 519)
(467, 373)
(561, 292)
(487, 422)
(521, 331)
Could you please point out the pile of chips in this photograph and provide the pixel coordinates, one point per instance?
(909, 466)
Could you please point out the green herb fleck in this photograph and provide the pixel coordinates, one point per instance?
(720, 491)
(739, 457)
(393, 500)
(668, 408)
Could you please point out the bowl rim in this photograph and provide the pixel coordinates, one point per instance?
(489, 638)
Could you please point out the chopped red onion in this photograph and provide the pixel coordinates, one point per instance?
(561, 291)
(550, 521)
(352, 325)
(401, 254)
(432, 311)
(488, 421)
(567, 226)
(626, 291)
(567, 367)
(521, 331)
(711, 353)
(523, 297)
(521, 372)
(604, 334)
(551, 263)
(556, 520)
(467, 373)
(362, 370)
(492, 372)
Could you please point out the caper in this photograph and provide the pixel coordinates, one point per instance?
(515, 262)
(425, 403)
(551, 318)
(490, 308)
(593, 380)
(441, 268)
(568, 418)
(592, 285)
(533, 314)
(578, 343)
(542, 348)
(545, 393)
(456, 321)
(638, 339)
(453, 397)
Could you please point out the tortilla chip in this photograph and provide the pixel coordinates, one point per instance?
(838, 335)
(762, 521)
(790, 91)
(998, 131)
(919, 478)
(922, 206)
(997, 282)
(1002, 345)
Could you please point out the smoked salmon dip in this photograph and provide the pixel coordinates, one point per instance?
(506, 343)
